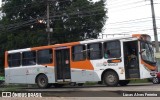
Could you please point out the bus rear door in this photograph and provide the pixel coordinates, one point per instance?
(63, 71)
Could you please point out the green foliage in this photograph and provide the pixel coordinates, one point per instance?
(71, 20)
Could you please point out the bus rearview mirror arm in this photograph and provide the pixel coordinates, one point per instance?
(142, 51)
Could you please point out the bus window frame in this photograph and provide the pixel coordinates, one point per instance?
(88, 50)
(104, 46)
(29, 58)
(79, 53)
(20, 62)
(50, 59)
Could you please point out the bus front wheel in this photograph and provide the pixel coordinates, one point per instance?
(42, 81)
(111, 78)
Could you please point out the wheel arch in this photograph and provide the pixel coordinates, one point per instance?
(39, 75)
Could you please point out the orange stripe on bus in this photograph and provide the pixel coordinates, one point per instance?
(6, 61)
(137, 35)
(148, 66)
(82, 65)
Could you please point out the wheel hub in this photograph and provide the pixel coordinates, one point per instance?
(155, 80)
(42, 81)
(111, 78)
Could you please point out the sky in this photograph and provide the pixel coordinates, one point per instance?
(130, 16)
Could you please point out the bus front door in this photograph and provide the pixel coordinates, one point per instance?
(131, 59)
(63, 72)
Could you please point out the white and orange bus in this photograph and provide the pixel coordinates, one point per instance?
(97, 60)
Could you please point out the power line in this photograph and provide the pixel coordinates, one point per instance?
(140, 23)
(42, 3)
(115, 2)
(88, 26)
(94, 10)
(110, 28)
(57, 16)
(133, 7)
(70, 17)
(133, 20)
(30, 22)
(35, 20)
(125, 4)
(133, 31)
(22, 5)
(75, 13)
(79, 8)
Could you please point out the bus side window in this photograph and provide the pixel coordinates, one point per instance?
(14, 60)
(45, 56)
(78, 53)
(112, 49)
(29, 58)
(94, 51)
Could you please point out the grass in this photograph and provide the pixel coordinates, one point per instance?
(17, 87)
(140, 81)
(2, 78)
(10, 89)
(13, 87)
(90, 83)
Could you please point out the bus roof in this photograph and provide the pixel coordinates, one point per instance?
(76, 43)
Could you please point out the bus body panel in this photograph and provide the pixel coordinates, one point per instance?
(80, 71)
(16, 75)
(145, 73)
(28, 74)
(32, 73)
(104, 65)
(81, 76)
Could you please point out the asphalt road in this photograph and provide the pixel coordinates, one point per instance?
(130, 87)
(102, 91)
(96, 92)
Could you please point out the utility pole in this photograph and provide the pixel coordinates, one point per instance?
(154, 27)
(48, 24)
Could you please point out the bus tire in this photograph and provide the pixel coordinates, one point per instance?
(155, 80)
(111, 78)
(42, 81)
(123, 82)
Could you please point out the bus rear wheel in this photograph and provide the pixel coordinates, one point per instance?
(42, 81)
(123, 82)
(111, 78)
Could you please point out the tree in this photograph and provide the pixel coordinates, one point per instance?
(71, 20)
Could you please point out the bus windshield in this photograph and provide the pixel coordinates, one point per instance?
(147, 52)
